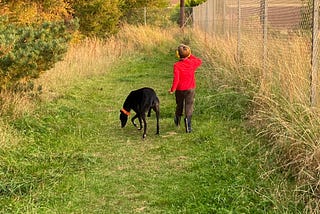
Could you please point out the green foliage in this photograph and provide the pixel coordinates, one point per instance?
(77, 159)
(37, 11)
(193, 3)
(228, 103)
(132, 10)
(175, 16)
(127, 5)
(98, 17)
(27, 51)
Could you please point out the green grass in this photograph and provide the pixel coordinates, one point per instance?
(75, 158)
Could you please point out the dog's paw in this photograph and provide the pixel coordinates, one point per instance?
(144, 136)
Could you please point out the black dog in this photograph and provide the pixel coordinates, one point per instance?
(141, 101)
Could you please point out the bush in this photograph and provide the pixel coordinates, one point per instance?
(97, 18)
(27, 51)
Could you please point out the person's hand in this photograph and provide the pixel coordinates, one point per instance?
(170, 92)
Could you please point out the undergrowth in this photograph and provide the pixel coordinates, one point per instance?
(73, 157)
(278, 95)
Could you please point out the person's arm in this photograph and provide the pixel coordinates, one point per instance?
(196, 61)
(176, 78)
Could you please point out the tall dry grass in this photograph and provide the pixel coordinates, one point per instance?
(94, 56)
(87, 58)
(8, 137)
(145, 38)
(280, 91)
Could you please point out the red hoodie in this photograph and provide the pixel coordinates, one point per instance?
(184, 73)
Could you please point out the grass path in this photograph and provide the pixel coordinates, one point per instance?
(77, 159)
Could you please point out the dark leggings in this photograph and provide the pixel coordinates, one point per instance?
(185, 99)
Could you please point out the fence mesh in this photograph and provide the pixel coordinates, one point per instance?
(274, 36)
(153, 16)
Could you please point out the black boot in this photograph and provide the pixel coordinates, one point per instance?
(187, 123)
(177, 120)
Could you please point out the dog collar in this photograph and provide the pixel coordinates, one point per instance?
(125, 112)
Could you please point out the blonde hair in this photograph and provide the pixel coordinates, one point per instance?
(183, 51)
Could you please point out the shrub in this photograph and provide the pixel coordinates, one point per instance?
(97, 18)
(27, 51)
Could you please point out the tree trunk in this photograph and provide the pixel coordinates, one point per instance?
(182, 18)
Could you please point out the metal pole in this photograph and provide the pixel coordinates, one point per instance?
(314, 61)
(239, 32)
(214, 13)
(145, 15)
(181, 13)
(265, 34)
(206, 22)
(224, 17)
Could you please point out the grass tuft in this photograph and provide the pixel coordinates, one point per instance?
(278, 97)
(73, 157)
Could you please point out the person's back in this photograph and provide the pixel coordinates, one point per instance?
(184, 84)
(186, 69)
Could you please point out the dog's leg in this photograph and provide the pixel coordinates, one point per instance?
(140, 123)
(133, 118)
(149, 112)
(143, 116)
(157, 110)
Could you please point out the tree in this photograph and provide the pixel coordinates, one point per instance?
(97, 17)
(131, 9)
(182, 14)
(126, 5)
(184, 10)
(193, 3)
(34, 35)
(27, 51)
(36, 11)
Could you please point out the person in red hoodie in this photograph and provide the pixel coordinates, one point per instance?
(184, 84)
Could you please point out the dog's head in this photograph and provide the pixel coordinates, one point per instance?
(124, 117)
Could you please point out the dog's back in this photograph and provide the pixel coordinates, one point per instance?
(143, 99)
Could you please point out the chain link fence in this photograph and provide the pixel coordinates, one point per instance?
(280, 37)
(162, 17)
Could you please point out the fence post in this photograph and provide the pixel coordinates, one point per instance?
(265, 79)
(239, 32)
(314, 54)
(206, 22)
(182, 14)
(214, 16)
(224, 17)
(145, 15)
